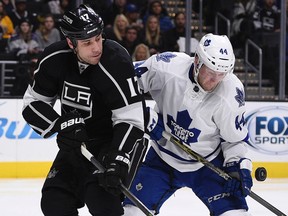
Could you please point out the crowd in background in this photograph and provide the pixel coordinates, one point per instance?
(142, 27)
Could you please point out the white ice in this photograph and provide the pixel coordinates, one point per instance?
(21, 197)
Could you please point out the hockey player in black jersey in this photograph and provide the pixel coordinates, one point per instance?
(100, 105)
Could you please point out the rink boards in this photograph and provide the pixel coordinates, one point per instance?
(23, 153)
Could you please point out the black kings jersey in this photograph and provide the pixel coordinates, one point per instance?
(105, 94)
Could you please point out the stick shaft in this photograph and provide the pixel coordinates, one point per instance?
(220, 172)
(123, 188)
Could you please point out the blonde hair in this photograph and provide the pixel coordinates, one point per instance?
(139, 46)
(150, 38)
(115, 27)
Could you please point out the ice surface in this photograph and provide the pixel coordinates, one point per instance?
(21, 197)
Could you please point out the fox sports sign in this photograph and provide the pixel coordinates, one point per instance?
(268, 129)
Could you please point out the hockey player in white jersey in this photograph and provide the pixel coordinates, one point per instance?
(201, 102)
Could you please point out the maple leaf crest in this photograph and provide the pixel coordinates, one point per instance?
(240, 97)
(166, 56)
(180, 127)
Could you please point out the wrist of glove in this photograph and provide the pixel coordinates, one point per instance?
(155, 124)
(71, 131)
(241, 182)
(117, 165)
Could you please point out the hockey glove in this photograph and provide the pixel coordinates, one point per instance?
(71, 131)
(155, 124)
(117, 165)
(241, 182)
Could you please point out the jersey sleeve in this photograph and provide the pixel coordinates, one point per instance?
(39, 99)
(149, 75)
(120, 93)
(230, 120)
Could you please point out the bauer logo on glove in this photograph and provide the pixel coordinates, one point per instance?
(71, 122)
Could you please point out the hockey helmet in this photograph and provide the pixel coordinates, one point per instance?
(81, 23)
(215, 52)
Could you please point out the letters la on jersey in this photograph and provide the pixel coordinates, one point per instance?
(77, 96)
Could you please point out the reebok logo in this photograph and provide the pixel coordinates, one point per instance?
(71, 122)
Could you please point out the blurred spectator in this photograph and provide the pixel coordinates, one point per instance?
(131, 40)
(37, 7)
(6, 29)
(99, 5)
(6, 26)
(142, 5)
(133, 15)
(109, 15)
(24, 43)
(157, 9)
(141, 52)
(67, 4)
(57, 9)
(47, 33)
(211, 8)
(153, 37)
(244, 23)
(54, 7)
(268, 38)
(117, 31)
(171, 37)
(269, 16)
(8, 6)
(21, 12)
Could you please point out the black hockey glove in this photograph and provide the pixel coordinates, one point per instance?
(117, 165)
(71, 131)
(241, 182)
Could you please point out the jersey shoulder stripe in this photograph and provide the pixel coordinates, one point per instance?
(49, 56)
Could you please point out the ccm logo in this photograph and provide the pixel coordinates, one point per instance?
(71, 122)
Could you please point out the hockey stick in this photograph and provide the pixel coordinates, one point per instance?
(220, 172)
(124, 189)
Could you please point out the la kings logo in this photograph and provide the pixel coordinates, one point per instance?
(79, 97)
(181, 127)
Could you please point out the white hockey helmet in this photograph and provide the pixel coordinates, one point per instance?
(216, 52)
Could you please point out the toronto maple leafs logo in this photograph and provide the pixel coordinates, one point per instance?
(166, 56)
(207, 42)
(180, 127)
(240, 95)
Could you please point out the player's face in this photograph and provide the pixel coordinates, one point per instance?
(90, 50)
(209, 79)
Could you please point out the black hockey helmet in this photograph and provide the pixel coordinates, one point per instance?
(81, 23)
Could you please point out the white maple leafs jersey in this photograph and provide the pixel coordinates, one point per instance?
(207, 122)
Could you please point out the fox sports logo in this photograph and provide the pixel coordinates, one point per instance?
(268, 130)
